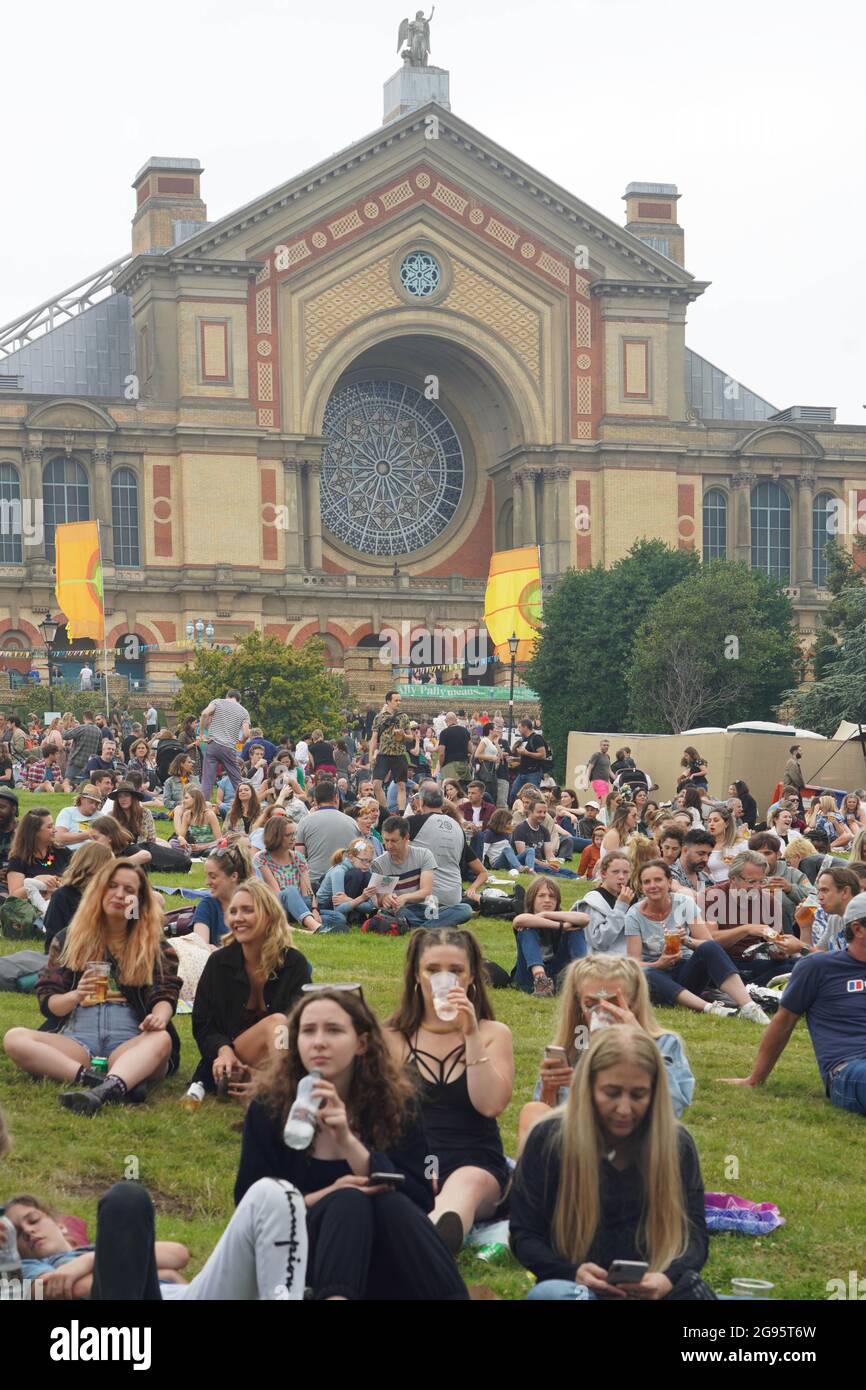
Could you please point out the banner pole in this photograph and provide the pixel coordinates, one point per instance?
(104, 645)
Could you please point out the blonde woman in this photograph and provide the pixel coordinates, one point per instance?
(640, 851)
(246, 991)
(824, 815)
(611, 802)
(119, 924)
(800, 848)
(723, 828)
(611, 1176)
(196, 828)
(65, 901)
(620, 828)
(597, 992)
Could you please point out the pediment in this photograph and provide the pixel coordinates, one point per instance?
(345, 192)
(69, 414)
(781, 440)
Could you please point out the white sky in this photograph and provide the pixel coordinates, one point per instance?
(754, 108)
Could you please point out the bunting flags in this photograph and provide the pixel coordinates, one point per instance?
(512, 601)
(79, 579)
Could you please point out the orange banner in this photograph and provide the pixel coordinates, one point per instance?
(79, 579)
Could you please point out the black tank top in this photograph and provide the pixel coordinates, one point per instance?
(459, 1134)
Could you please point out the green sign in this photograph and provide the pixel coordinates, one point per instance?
(463, 694)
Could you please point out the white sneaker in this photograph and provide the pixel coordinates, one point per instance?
(719, 1009)
(754, 1013)
(514, 873)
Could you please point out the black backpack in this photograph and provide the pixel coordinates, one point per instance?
(509, 906)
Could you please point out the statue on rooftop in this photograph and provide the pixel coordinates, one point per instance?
(415, 33)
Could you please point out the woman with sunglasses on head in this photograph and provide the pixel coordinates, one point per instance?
(366, 814)
(127, 1019)
(609, 1179)
(465, 1065)
(246, 990)
(286, 872)
(226, 867)
(598, 992)
(362, 1167)
(244, 810)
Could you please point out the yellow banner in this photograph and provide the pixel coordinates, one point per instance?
(512, 601)
(79, 579)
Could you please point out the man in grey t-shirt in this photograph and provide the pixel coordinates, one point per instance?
(415, 867)
(227, 723)
(324, 831)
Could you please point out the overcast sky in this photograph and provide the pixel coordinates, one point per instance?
(754, 108)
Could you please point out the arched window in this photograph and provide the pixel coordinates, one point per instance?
(715, 543)
(66, 496)
(11, 544)
(771, 531)
(822, 520)
(124, 518)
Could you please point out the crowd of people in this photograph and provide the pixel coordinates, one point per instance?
(371, 1147)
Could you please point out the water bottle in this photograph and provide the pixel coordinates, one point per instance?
(431, 908)
(301, 1125)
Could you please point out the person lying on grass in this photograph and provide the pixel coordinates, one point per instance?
(118, 927)
(599, 992)
(611, 1177)
(361, 1166)
(464, 1062)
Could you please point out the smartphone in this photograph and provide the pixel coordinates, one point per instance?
(626, 1272)
(553, 1053)
(392, 1179)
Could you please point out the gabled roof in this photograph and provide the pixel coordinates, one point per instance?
(649, 264)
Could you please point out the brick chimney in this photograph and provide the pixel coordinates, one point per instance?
(169, 206)
(651, 215)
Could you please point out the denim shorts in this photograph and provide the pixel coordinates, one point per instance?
(100, 1028)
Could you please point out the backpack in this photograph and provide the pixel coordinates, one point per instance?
(381, 925)
(495, 903)
(18, 920)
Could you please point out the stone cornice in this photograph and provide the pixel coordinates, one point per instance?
(599, 289)
(144, 267)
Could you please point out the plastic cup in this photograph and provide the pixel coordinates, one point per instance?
(101, 969)
(752, 1288)
(440, 984)
(673, 941)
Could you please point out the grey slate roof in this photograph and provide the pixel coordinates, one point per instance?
(716, 396)
(90, 355)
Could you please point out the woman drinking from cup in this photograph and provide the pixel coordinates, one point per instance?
(465, 1065)
(358, 1156)
(598, 992)
(610, 1180)
(109, 989)
(664, 932)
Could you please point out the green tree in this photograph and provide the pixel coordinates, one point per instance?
(719, 647)
(589, 625)
(839, 690)
(286, 689)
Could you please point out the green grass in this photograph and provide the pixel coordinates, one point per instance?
(790, 1145)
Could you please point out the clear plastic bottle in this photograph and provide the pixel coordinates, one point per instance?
(301, 1124)
(431, 907)
(10, 1260)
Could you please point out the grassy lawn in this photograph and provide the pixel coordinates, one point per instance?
(785, 1142)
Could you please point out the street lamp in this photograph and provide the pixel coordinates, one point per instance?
(197, 631)
(513, 643)
(49, 632)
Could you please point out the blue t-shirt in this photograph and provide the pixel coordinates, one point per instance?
(209, 911)
(34, 1269)
(830, 989)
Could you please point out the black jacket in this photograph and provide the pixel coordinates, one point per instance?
(222, 994)
(265, 1155)
(533, 1202)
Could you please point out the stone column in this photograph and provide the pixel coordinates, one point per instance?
(565, 517)
(549, 525)
(742, 485)
(518, 508)
(102, 501)
(530, 518)
(294, 540)
(805, 498)
(314, 514)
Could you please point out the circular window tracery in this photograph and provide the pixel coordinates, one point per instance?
(392, 470)
(420, 274)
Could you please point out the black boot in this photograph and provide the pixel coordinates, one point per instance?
(88, 1102)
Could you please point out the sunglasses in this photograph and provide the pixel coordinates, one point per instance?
(341, 989)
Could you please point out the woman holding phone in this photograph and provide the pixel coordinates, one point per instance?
(363, 1173)
(600, 992)
(612, 1180)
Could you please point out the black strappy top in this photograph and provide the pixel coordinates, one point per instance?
(459, 1135)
